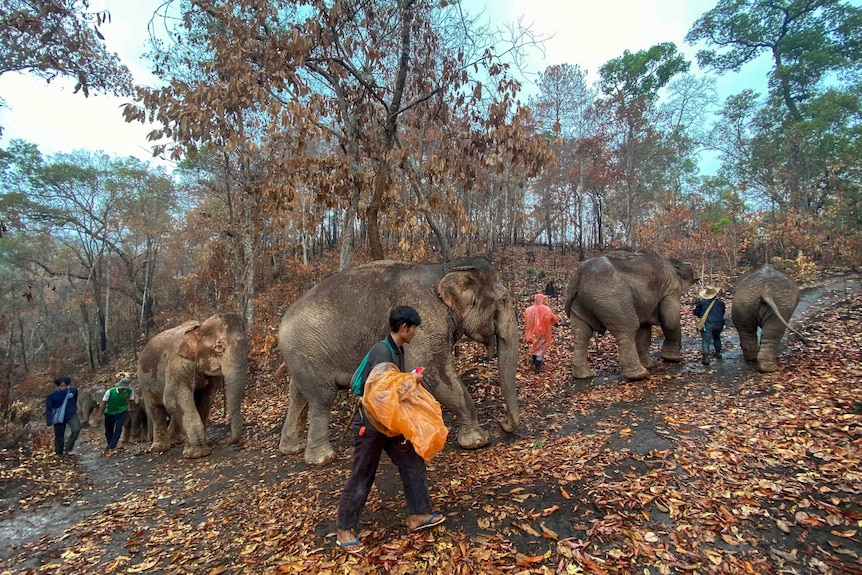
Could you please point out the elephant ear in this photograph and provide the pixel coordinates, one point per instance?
(190, 343)
(459, 290)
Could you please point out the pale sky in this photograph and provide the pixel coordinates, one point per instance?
(584, 32)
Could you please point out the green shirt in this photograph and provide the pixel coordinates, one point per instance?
(117, 400)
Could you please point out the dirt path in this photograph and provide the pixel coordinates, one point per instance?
(588, 454)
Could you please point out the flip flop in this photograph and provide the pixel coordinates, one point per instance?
(353, 546)
(433, 521)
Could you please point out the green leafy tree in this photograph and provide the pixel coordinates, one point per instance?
(799, 147)
(630, 85)
(808, 42)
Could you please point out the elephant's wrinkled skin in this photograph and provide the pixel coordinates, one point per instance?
(627, 292)
(763, 298)
(179, 371)
(326, 333)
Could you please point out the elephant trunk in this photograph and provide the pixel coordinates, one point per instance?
(507, 360)
(235, 372)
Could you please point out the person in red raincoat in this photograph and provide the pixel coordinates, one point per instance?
(538, 319)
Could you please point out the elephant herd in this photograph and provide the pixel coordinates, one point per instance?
(325, 333)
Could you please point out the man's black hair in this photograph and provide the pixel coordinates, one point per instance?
(61, 380)
(403, 314)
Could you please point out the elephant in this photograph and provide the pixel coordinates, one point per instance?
(763, 298)
(179, 371)
(136, 426)
(88, 402)
(324, 335)
(627, 292)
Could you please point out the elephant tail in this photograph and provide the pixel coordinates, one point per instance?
(771, 303)
(571, 294)
(282, 369)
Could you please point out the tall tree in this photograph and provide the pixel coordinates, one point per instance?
(807, 40)
(631, 85)
(809, 122)
(353, 74)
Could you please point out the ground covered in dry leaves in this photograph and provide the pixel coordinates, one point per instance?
(715, 469)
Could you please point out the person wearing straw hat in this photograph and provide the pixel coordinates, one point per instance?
(710, 311)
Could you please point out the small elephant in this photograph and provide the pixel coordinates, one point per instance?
(88, 402)
(324, 335)
(179, 371)
(136, 427)
(763, 298)
(627, 292)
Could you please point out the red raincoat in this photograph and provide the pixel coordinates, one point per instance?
(538, 319)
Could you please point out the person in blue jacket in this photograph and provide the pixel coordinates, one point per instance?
(710, 332)
(64, 392)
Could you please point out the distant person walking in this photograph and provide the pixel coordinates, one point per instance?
(538, 319)
(115, 405)
(710, 310)
(61, 410)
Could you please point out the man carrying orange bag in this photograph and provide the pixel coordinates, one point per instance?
(369, 444)
(397, 404)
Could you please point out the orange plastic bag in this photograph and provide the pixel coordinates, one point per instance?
(397, 405)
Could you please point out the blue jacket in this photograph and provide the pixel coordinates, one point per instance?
(716, 314)
(55, 400)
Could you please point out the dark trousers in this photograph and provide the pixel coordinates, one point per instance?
(711, 334)
(114, 427)
(74, 424)
(367, 450)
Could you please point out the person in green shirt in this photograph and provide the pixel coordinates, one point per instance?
(115, 405)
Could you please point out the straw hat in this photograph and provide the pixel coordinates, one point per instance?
(709, 292)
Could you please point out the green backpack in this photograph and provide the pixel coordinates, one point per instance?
(357, 383)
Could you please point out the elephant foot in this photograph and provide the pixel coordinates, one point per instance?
(672, 357)
(636, 374)
(508, 424)
(767, 367)
(197, 451)
(320, 456)
(473, 438)
(290, 446)
(159, 447)
(582, 372)
(232, 440)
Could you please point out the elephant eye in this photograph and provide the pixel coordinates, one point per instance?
(219, 347)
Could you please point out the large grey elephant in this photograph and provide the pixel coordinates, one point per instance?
(763, 298)
(326, 333)
(180, 370)
(627, 292)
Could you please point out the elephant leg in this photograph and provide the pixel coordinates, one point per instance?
(203, 402)
(767, 354)
(630, 364)
(159, 419)
(642, 343)
(581, 334)
(319, 450)
(671, 349)
(748, 343)
(196, 439)
(291, 440)
(127, 428)
(450, 391)
(175, 434)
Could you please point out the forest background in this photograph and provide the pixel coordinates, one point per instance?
(313, 136)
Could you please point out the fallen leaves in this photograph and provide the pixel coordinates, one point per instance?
(752, 473)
